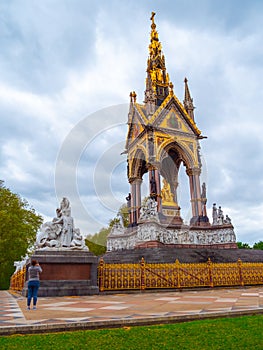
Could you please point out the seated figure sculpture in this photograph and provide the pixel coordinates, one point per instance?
(60, 233)
(149, 210)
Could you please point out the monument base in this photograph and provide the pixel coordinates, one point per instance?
(66, 273)
(152, 233)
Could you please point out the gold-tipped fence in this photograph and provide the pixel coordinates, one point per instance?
(143, 276)
(18, 279)
(177, 275)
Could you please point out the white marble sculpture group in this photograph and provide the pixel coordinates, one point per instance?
(60, 233)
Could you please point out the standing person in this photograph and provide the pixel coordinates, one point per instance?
(33, 283)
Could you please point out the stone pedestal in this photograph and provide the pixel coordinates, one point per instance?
(66, 273)
(170, 215)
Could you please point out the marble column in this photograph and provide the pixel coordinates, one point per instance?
(195, 191)
(135, 200)
(155, 186)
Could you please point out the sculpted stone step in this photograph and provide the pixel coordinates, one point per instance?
(187, 255)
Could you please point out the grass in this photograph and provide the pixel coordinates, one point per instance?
(224, 334)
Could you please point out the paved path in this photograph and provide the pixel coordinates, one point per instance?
(112, 310)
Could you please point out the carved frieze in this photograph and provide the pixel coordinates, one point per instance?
(154, 231)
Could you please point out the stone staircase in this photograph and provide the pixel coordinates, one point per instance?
(184, 255)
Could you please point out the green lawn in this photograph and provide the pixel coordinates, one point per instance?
(226, 333)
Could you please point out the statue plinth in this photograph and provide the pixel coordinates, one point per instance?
(68, 266)
(66, 273)
(170, 215)
(200, 221)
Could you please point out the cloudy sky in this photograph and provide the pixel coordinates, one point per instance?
(66, 71)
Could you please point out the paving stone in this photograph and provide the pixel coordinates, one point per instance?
(108, 310)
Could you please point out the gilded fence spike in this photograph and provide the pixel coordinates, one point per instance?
(239, 264)
(210, 272)
(101, 275)
(142, 274)
(177, 267)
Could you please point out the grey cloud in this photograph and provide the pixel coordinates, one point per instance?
(43, 39)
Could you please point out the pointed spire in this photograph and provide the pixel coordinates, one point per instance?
(157, 81)
(188, 101)
(133, 97)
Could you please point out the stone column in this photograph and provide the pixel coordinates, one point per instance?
(198, 193)
(137, 183)
(195, 191)
(155, 186)
(174, 185)
(128, 199)
(135, 200)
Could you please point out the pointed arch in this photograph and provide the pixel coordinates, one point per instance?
(177, 152)
(138, 164)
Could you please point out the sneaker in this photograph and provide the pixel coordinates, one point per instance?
(34, 307)
(28, 308)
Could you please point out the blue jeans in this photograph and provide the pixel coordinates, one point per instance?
(32, 292)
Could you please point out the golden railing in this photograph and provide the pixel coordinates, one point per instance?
(176, 275)
(18, 279)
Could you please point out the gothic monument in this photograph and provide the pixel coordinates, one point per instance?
(162, 137)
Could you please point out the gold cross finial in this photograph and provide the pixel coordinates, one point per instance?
(153, 26)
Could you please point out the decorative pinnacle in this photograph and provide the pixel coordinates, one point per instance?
(188, 101)
(152, 19)
(171, 86)
(187, 96)
(133, 97)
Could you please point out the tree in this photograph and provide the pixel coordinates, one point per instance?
(100, 238)
(96, 249)
(18, 227)
(124, 214)
(241, 245)
(258, 245)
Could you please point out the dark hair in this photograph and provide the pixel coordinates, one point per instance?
(33, 262)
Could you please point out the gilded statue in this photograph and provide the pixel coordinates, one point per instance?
(167, 196)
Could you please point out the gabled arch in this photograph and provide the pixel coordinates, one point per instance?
(138, 164)
(178, 153)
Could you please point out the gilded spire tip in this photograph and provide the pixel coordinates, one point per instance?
(157, 82)
(153, 26)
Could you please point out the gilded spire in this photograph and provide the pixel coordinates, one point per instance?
(155, 46)
(188, 101)
(157, 81)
